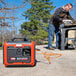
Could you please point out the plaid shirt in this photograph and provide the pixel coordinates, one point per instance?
(59, 15)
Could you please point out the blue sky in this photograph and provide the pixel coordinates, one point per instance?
(19, 12)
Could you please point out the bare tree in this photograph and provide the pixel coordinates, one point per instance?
(4, 12)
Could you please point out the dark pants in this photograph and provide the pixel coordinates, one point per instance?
(52, 29)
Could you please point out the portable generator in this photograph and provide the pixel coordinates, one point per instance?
(19, 53)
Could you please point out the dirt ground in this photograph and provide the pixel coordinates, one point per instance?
(61, 66)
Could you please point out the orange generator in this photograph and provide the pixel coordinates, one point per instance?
(19, 53)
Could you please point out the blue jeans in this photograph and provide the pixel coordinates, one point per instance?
(51, 31)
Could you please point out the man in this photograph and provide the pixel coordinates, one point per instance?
(56, 20)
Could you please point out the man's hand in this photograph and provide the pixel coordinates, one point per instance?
(63, 20)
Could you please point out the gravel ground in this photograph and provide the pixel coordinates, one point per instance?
(62, 66)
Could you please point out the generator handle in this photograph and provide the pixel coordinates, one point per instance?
(25, 39)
